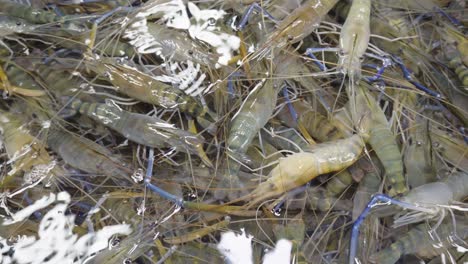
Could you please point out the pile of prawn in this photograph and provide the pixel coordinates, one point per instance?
(337, 125)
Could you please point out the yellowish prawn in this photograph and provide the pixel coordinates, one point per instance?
(299, 168)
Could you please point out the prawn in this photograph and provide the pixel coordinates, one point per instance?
(296, 26)
(9, 26)
(324, 129)
(299, 168)
(139, 128)
(452, 189)
(88, 156)
(254, 113)
(421, 241)
(145, 88)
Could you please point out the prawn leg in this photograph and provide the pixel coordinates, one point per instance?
(139, 128)
(254, 113)
(378, 75)
(88, 156)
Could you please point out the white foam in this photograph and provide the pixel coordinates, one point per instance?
(55, 239)
(236, 248)
(202, 27)
(280, 254)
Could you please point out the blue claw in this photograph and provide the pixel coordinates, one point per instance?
(56, 10)
(407, 75)
(110, 13)
(149, 172)
(288, 102)
(452, 20)
(230, 83)
(378, 74)
(310, 52)
(249, 11)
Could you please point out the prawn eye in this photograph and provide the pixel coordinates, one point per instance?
(18, 23)
(211, 21)
(290, 38)
(190, 52)
(115, 242)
